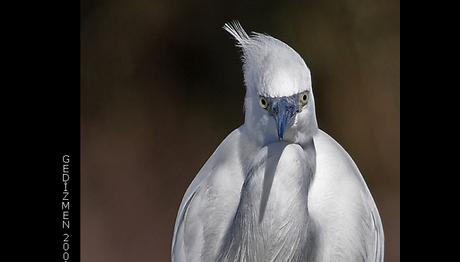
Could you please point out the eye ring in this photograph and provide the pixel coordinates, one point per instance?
(304, 98)
(263, 102)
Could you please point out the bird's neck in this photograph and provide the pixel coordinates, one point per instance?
(272, 220)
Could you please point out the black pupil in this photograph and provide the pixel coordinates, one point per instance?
(304, 97)
(263, 101)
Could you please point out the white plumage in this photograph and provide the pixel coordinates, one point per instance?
(277, 188)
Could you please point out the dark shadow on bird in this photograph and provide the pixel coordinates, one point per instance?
(273, 157)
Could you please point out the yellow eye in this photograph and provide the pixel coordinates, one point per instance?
(263, 102)
(303, 98)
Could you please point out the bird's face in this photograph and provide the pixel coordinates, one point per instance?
(279, 101)
(282, 118)
(285, 111)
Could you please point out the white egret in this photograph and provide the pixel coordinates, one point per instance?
(277, 188)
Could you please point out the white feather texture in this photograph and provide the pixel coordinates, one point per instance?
(271, 67)
(260, 199)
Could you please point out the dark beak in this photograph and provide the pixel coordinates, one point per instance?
(281, 121)
(283, 112)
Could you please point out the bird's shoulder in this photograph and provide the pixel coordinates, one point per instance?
(335, 169)
(212, 198)
(342, 205)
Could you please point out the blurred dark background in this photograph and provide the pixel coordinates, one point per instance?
(161, 87)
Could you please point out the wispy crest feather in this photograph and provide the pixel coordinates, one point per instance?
(236, 30)
(256, 45)
(270, 66)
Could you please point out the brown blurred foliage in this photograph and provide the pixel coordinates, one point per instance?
(161, 87)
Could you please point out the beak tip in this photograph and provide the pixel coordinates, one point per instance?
(281, 127)
(280, 135)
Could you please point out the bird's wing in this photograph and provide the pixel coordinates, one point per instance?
(378, 233)
(210, 200)
(376, 245)
(343, 206)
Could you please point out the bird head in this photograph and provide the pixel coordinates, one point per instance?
(279, 103)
